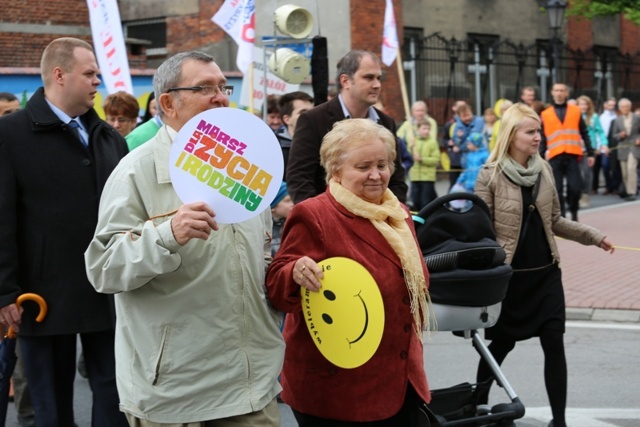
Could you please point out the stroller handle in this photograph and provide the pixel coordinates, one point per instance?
(442, 200)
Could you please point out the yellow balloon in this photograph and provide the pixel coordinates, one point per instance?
(346, 316)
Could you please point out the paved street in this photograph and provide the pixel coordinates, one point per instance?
(596, 282)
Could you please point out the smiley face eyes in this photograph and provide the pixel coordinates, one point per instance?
(331, 297)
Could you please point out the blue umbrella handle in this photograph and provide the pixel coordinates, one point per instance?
(30, 297)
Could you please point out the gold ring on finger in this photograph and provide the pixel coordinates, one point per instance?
(303, 268)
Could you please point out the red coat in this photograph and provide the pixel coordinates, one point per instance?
(321, 228)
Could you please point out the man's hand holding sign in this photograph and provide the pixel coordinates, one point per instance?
(193, 221)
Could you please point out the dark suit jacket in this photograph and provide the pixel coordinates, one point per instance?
(322, 228)
(50, 187)
(305, 176)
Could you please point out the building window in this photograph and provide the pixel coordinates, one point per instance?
(153, 30)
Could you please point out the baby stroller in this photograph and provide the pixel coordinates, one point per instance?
(468, 280)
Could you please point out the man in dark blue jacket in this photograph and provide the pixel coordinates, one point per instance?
(55, 157)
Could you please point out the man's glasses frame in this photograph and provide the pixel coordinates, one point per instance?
(206, 90)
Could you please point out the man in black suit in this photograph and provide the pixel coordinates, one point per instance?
(359, 75)
(55, 157)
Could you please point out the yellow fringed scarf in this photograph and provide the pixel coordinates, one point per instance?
(389, 219)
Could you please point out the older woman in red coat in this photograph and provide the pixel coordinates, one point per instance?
(360, 219)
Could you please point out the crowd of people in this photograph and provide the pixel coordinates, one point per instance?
(605, 155)
(180, 317)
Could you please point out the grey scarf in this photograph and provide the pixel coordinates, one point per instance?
(525, 177)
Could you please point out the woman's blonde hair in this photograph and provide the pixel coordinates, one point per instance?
(590, 108)
(511, 120)
(351, 133)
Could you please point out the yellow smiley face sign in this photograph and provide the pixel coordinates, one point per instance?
(346, 316)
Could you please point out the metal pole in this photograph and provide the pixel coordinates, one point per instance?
(543, 76)
(609, 78)
(412, 50)
(492, 79)
(476, 57)
(264, 80)
(556, 57)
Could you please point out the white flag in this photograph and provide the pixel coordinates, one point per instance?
(237, 18)
(108, 43)
(389, 36)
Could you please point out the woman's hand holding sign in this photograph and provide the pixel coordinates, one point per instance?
(306, 273)
(193, 221)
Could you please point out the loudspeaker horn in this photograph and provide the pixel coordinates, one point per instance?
(293, 21)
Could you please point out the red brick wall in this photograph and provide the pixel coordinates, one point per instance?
(630, 46)
(55, 12)
(25, 50)
(629, 37)
(580, 34)
(580, 39)
(190, 32)
(367, 23)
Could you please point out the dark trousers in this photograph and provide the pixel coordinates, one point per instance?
(616, 176)
(407, 417)
(555, 371)
(422, 193)
(567, 166)
(50, 365)
(602, 163)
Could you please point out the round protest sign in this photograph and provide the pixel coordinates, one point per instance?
(231, 160)
(346, 316)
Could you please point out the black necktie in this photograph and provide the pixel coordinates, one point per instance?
(75, 127)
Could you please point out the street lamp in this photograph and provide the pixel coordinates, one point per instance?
(555, 10)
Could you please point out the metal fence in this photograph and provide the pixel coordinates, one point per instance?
(482, 70)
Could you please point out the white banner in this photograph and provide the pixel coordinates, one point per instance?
(108, 43)
(275, 85)
(237, 18)
(389, 36)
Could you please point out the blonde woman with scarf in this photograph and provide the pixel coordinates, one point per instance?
(358, 217)
(517, 185)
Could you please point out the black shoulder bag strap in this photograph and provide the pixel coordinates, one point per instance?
(532, 207)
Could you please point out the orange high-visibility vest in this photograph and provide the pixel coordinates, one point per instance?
(562, 137)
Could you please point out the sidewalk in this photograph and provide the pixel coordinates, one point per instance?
(599, 285)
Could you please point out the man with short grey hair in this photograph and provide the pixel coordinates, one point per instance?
(197, 342)
(625, 132)
(408, 131)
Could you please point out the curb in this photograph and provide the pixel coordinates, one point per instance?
(603, 315)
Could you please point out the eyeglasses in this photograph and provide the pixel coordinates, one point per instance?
(120, 120)
(206, 90)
